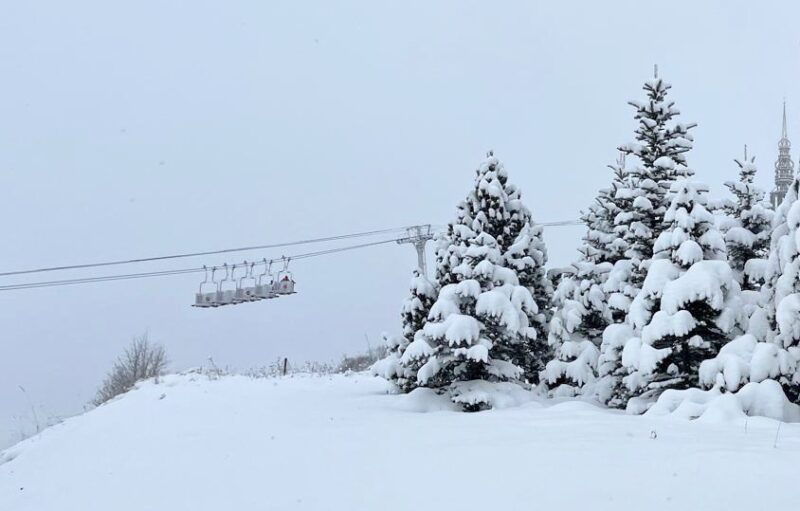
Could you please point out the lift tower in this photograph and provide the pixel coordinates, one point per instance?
(418, 236)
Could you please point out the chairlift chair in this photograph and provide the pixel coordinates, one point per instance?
(285, 283)
(225, 292)
(204, 299)
(246, 293)
(264, 285)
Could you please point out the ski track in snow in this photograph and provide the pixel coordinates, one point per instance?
(343, 443)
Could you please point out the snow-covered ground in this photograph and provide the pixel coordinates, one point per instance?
(343, 443)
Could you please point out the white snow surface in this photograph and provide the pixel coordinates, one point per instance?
(346, 443)
(765, 399)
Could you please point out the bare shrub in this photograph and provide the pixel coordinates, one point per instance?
(361, 362)
(275, 369)
(140, 360)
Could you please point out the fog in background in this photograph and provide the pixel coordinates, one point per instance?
(147, 128)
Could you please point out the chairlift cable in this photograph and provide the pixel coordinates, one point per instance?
(164, 273)
(206, 253)
(182, 271)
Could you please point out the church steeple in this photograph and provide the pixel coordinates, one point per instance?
(784, 135)
(784, 166)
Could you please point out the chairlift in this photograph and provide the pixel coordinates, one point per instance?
(246, 293)
(225, 292)
(205, 299)
(264, 284)
(285, 283)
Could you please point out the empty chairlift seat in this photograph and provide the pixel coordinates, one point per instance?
(204, 298)
(226, 288)
(246, 286)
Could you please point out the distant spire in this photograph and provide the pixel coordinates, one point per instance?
(784, 166)
(745, 152)
(784, 135)
(655, 71)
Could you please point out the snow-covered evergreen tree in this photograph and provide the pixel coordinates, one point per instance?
(783, 293)
(478, 327)
(414, 314)
(770, 349)
(619, 288)
(452, 243)
(526, 254)
(689, 303)
(747, 234)
(581, 305)
(642, 194)
(576, 329)
(660, 148)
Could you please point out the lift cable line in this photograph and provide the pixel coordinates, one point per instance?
(183, 271)
(231, 289)
(198, 254)
(83, 266)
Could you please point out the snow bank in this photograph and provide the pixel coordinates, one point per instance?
(496, 395)
(764, 399)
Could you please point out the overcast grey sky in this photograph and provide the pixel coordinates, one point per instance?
(143, 128)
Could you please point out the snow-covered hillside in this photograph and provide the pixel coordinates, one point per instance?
(343, 443)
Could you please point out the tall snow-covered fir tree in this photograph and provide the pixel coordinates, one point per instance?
(478, 328)
(618, 287)
(451, 244)
(527, 256)
(576, 329)
(748, 227)
(783, 296)
(581, 305)
(688, 305)
(414, 314)
(770, 348)
(660, 147)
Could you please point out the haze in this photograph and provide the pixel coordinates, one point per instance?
(149, 128)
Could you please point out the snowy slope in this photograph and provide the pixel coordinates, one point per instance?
(342, 443)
